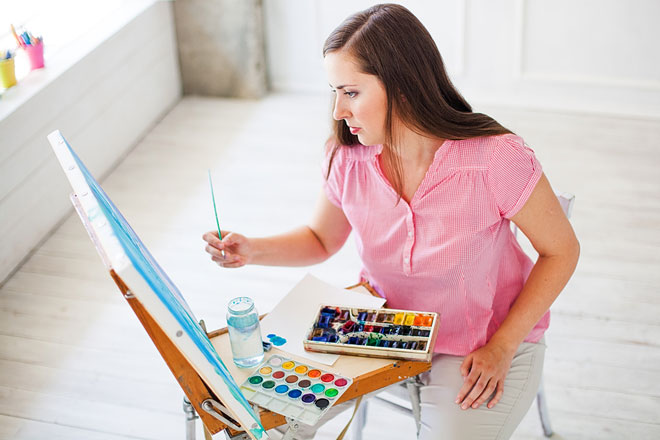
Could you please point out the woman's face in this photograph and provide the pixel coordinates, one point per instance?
(360, 99)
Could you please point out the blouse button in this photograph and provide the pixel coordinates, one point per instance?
(410, 233)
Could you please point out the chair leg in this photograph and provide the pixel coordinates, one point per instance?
(543, 411)
(360, 420)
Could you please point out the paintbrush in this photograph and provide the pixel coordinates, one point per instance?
(215, 210)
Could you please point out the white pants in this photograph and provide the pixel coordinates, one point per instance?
(443, 419)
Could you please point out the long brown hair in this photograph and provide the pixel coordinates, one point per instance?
(388, 41)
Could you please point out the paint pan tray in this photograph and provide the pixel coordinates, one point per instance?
(387, 333)
(294, 389)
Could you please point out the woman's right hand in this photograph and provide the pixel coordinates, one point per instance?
(236, 248)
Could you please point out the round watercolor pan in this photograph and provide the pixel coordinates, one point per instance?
(317, 388)
(308, 398)
(295, 394)
(275, 361)
(314, 373)
(322, 403)
(341, 382)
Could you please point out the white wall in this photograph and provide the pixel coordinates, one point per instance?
(587, 56)
(103, 103)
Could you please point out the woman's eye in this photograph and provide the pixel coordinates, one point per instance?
(351, 94)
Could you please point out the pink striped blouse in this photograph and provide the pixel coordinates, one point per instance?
(450, 250)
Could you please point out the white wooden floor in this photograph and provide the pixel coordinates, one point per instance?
(75, 363)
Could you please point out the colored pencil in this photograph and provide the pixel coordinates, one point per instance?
(18, 40)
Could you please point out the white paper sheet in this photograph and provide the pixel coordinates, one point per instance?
(293, 316)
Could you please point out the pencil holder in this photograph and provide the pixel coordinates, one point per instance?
(35, 53)
(7, 73)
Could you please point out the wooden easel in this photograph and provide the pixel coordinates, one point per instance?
(197, 392)
(192, 385)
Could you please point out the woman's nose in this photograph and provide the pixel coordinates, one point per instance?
(340, 111)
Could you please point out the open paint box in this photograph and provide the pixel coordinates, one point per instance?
(294, 389)
(387, 333)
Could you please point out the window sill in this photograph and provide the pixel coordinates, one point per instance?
(69, 50)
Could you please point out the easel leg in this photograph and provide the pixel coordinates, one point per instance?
(360, 420)
(414, 384)
(191, 416)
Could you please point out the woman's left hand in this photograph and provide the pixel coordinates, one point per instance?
(484, 371)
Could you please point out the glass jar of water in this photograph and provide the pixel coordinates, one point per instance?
(244, 332)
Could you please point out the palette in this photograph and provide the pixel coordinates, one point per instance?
(294, 389)
(388, 333)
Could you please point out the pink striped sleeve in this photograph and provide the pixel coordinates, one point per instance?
(513, 172)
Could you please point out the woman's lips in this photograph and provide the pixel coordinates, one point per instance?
(354, 130)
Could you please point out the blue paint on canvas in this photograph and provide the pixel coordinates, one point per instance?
(163, 287)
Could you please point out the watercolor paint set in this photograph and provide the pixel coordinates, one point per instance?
(387, 333)
(294, 389)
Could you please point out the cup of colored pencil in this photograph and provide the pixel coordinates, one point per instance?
(7, 69)
(33, 47)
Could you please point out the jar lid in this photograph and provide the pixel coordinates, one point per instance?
(241, 305)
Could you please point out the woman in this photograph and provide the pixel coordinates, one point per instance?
(430, 189)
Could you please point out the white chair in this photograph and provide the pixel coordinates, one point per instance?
(394, 396)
